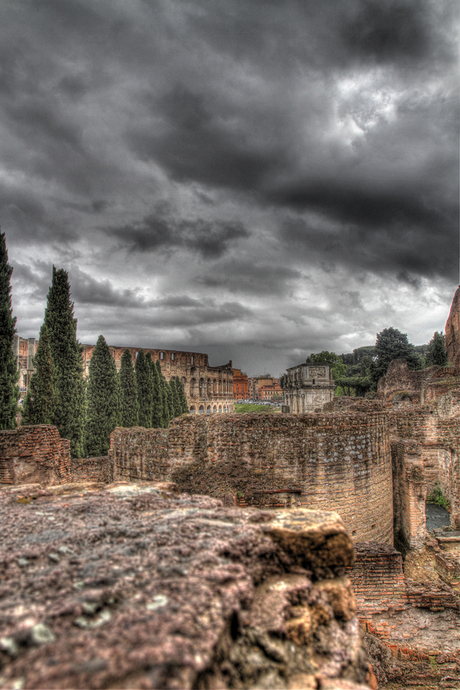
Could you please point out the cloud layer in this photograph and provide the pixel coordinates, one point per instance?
(254, 180)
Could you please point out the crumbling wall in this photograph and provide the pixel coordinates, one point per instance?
(409, 494)
(137, 453)
(91, 469)
(453, 331)
(336, 462)
(34, 454)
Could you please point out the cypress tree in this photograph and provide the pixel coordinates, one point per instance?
(128, 392)
(144, 390)
(170, 401)
(436, 353)
(9, 372)
(41, 401)
(158, 408)
(103, 412)
(182, 397)
(175, 397)
(66, 352)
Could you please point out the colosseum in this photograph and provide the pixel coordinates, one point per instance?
(208, 389)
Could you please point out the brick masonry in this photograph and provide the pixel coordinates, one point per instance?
(336, 462)
(34, 454)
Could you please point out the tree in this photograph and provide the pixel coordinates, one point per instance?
(436, 352)
(144, 390)
(103, 412)
(392, 344)
(128, 392)
(338, 367)
(66, 352)
(161, 393)
(175, 397)
(41, 401)
(9, 372)
(182, 396)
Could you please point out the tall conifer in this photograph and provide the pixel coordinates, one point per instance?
(9, 372)
(67, 357)
(128, 392)
(157, 395)
(41, 401)
(144, 390)
(175, 397)
(103, 411)
(182, 396)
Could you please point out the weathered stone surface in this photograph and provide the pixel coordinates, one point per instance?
(453, 331)
(138, 586)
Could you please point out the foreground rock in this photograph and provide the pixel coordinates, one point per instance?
(135, 586)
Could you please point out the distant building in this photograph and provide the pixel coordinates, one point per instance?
(256, 383)
(208, 389)
(240, 385)
(307, 387)
(271, 392)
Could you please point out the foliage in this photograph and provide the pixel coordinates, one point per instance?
(391, 344)
(436, 351)
(160, 412)
(438, 498)
(336, 363)
(354, 385)
(144, 384)
(9, 373)
(66, 352)
(41, 399)
(103, 412)
(177, 406)
(128, 392)
(182, 396)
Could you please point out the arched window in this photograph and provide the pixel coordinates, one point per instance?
(208, 409)
(202, 388)
(214, 409)
(201, 409)
(192, 409)
(193, 388)
(220, 408)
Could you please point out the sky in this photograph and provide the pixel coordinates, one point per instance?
(254, 179)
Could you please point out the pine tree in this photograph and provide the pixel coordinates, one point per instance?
(182, 396)
(144, 390)
(128, 392)
(103, 411)
(436, 353)
(41, 402)
(67, 357)
(9, 372)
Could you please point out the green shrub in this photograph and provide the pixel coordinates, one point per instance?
(438, 498)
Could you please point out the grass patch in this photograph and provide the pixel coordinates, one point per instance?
(247, 407)
(438, 498)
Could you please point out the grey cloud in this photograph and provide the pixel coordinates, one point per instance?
(209, 238)
(253, 278)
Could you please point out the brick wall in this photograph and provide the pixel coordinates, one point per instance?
(91, 469)
(336, 462)
(34, 454)
(378, 579)
(139, 453)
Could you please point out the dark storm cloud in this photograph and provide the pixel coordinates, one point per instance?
(210, 239)
(251, 277)
(301, 146)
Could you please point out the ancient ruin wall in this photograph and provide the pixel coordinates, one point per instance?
(34, 454)
(453, 331)
(336, 462)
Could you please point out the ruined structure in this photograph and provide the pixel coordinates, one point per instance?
(134, 586)
(34, 454)
(307, 387)
(453, 331)
(336, 462)
(209, 390)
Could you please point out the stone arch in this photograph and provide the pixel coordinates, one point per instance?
(193, 387)
(192, 409)
(208, 387)
(202, 388)
(220, 408)
(214, 409)
(201, 409)
(208, 409)
(214, 386)
(220, 386)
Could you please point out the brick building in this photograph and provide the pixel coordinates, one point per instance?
(271, 392)
(240, 385)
